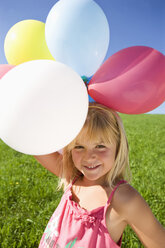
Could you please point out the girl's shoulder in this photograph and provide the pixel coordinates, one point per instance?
(128, 200)
(125, 194)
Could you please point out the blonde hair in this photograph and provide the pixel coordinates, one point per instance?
(104, 123)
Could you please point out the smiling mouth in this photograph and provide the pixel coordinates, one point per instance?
(92, 167)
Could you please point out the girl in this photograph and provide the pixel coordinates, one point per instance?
(97, 203)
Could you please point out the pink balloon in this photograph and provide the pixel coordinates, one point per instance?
(132, 81)
(4, 69)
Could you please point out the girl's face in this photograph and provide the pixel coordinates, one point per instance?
(94, 160)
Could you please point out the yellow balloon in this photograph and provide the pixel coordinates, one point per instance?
(25, 41)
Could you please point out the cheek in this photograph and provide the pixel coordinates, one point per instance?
(108, 156)
(104, 154)
(75, 157)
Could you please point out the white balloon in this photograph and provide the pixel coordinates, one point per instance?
(43, 106)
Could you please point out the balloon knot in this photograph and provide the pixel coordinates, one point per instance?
(86, 80)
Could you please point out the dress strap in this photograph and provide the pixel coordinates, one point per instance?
(113, 191)
(73, 181)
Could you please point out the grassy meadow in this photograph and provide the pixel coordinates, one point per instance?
(28, 194)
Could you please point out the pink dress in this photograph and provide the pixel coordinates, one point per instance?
(72, 226)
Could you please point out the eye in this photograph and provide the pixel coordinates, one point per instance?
(100, 146)
(78, 147)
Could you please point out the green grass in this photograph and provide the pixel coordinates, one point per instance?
(28, 194)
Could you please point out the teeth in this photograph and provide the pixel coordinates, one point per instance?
(92, 166)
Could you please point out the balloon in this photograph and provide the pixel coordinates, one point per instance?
(77, 34)
(86, 81)
(43, 106)
(132, 81)
(4, 69)
(26, 41)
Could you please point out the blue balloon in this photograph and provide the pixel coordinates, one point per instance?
(77, 34)
(91, 99)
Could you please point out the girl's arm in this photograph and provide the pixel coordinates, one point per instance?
(136, 212)
(52, 162)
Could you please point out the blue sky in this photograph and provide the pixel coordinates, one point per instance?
(132, 22)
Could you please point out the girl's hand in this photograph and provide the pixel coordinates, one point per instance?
(60, 151)
(136, 212)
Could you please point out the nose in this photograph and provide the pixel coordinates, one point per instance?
(89, 156)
